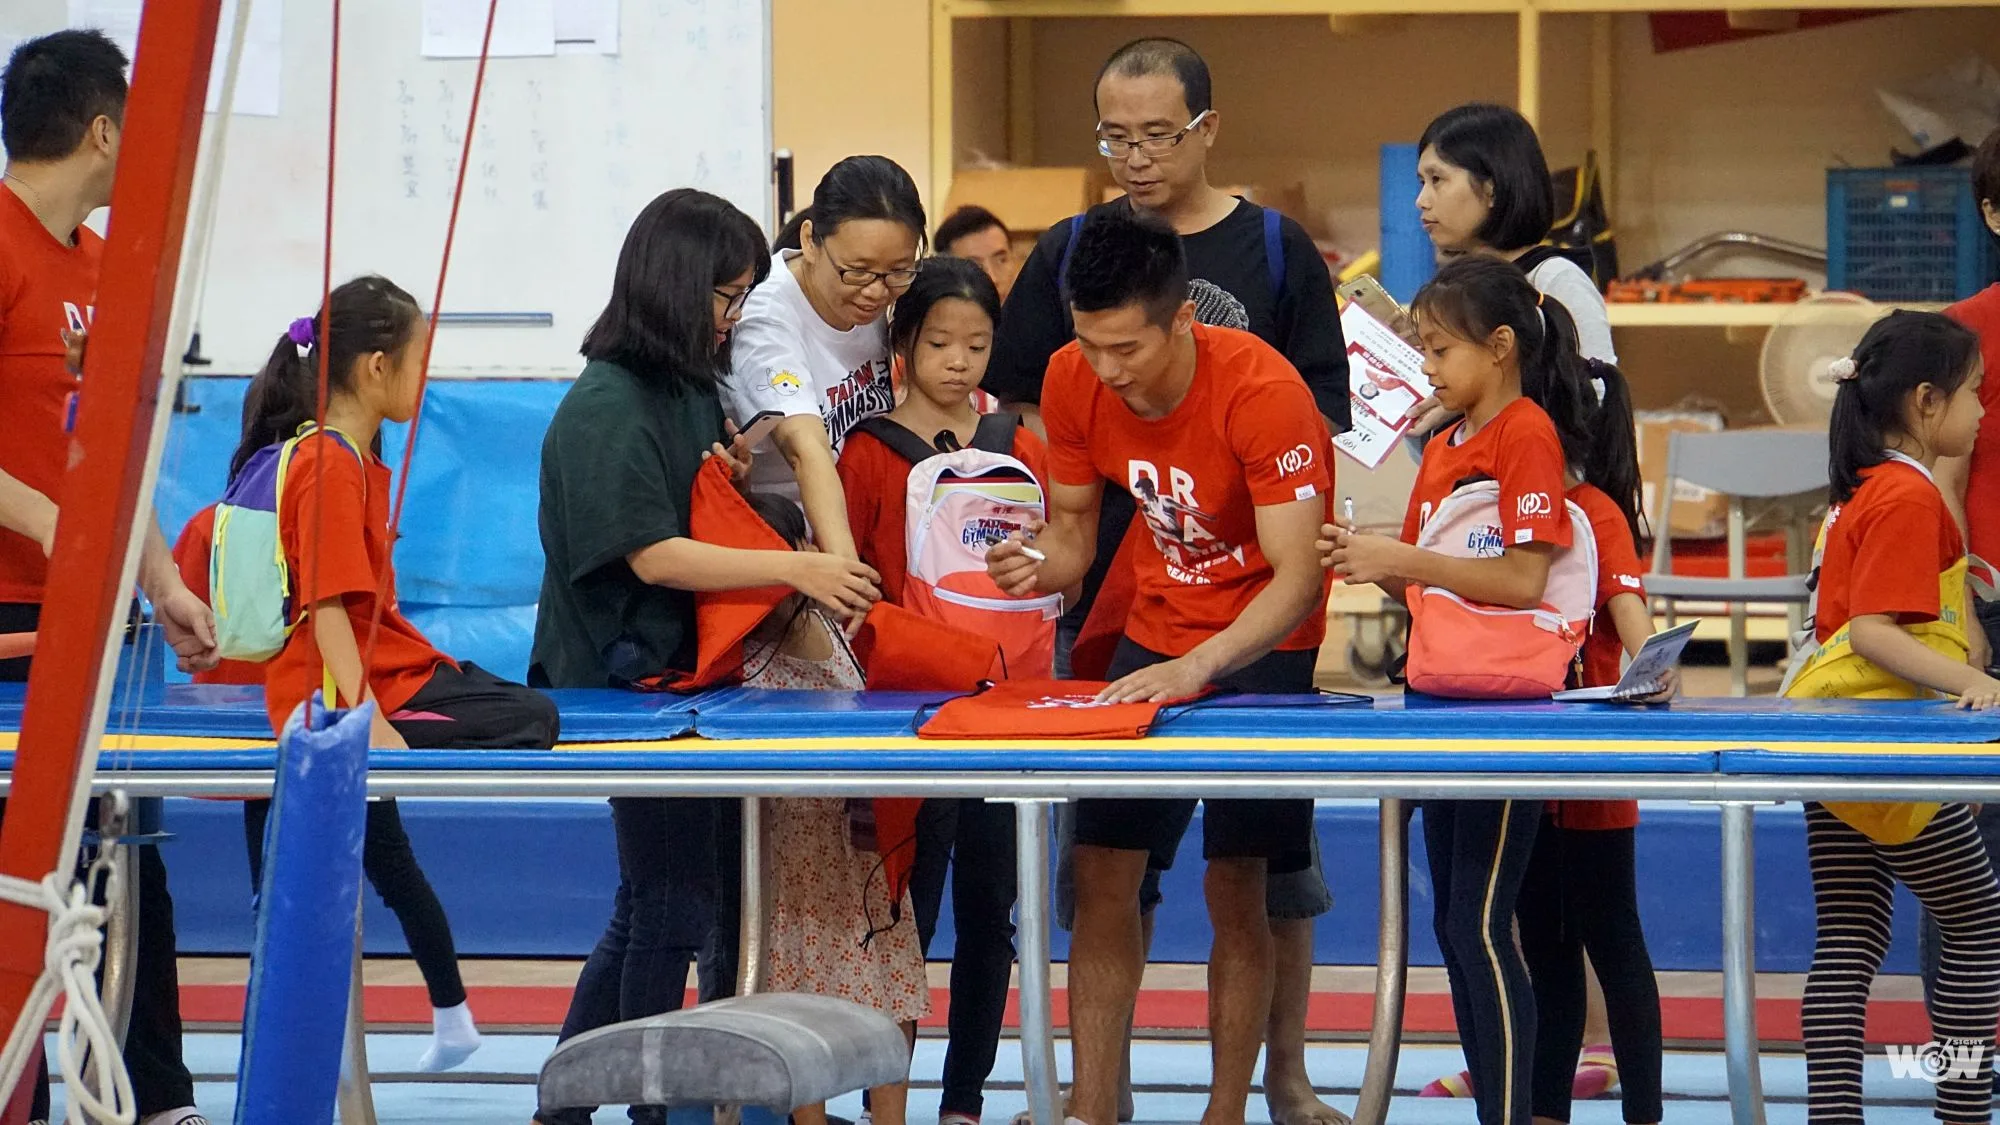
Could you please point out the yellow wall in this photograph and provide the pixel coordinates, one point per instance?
(848, 77)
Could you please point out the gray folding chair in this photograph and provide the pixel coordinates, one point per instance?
(1741, 465)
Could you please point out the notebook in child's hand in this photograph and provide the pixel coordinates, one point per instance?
(1660, 655)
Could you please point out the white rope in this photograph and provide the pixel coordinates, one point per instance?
(86, 1046)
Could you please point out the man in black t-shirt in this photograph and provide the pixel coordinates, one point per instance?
(1251, 269)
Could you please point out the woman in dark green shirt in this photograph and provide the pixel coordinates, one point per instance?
(621, 574)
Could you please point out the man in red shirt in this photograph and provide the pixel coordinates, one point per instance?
(62, 102)
(1219, 443)
(1971, 486)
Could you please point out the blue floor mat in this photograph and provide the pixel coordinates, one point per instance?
(497, 1085)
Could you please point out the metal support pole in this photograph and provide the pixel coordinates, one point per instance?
(1392, 952)
(357, 1100)
(1739, 963)
(1038, 1047)
(121, 922)
(756, 902)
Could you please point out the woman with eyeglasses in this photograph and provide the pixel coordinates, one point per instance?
(813, 345)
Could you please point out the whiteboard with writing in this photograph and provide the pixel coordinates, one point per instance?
(568, 149)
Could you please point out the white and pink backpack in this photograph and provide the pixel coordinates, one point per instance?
(1462, 649)
(959, 503)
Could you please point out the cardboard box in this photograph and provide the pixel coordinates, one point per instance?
(1698, 513)
(1028, 200)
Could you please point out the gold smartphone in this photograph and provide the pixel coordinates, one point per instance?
(1376, 301)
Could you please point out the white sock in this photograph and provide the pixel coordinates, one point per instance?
(453, 1039)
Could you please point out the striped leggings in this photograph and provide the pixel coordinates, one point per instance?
(1852, 876)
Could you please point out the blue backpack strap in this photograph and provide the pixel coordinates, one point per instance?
(1069, 248)
(1274, 252)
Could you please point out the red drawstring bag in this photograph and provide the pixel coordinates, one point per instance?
(1097, 641)
(905, 651)
(720, 515)
(1040, 709)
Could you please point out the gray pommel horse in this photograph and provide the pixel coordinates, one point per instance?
(768, 1054)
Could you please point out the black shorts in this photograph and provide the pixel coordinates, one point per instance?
(1279, 832)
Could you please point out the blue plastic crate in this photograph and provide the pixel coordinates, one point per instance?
(1906, 234)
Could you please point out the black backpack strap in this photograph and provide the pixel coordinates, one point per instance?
(996, 433)
(1075, 225)
(900, 439)
(1274, 252)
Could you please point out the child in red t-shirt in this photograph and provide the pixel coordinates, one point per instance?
(942, 333)
(1580, 894)
(1892, 618)
(333, 520)
(1494, 351)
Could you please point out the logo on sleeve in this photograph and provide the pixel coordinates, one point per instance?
(1631, 582)
(1532, 505)
(1297, 459)
(786, 383)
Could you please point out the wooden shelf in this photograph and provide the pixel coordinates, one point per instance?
(1694, 316)
(1711, 315)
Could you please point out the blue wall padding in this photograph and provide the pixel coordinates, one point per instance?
(1408, 259)
(302, 960)
(469, 565)
(487, 858)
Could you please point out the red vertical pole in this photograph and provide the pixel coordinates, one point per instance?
(100, 501)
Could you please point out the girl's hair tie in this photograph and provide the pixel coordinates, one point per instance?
(1844, 369)
(301, 333)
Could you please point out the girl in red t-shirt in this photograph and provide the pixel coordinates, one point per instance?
(333, 520)
(942, 333)
(1506, 362)
(1580, 895)
(1891, 617)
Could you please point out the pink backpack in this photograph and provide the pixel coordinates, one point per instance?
(960, 502)
(1465, 650)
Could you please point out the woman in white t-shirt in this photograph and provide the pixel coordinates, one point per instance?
(813, 345)
(1486, 190)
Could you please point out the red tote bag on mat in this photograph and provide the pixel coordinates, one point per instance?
(1041, 709)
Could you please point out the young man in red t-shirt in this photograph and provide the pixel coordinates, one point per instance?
(62, 104)
(1972, 484)
(1219, 443)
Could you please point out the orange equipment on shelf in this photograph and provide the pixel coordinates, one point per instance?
(1713, 290)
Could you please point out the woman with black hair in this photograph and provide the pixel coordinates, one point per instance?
(618, 593)
(814, 343)
(1486, 190)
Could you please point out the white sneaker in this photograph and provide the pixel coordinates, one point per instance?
(957, 1119)
(186, 1115)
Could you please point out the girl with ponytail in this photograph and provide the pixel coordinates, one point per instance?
(333, 520)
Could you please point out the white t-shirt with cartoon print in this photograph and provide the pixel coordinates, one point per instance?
(785, 358)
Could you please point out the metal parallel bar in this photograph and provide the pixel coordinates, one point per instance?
(1038, 1047)
(597, 784)
(755, 907)
(356, 1100)
(1392, 953)
(1739, 964)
